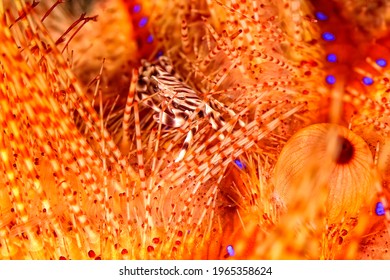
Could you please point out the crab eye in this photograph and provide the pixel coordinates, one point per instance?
(142, 81)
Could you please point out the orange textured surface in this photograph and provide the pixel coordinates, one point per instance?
(87, 173)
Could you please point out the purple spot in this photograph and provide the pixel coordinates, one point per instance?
(143, 22)
(380, 209)
(327, 36)
(239, 164)
(137, 8)
(230, 250)
(331, 57)
(150, 39)
(381, 62)
(321, 16)
(159, 53)
(330, 79)
(368, 81)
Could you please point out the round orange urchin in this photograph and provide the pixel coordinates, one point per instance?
(89, 174)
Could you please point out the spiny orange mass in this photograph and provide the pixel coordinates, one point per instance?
(89, 171)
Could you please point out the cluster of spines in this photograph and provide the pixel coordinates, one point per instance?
(66, 150)
(369, 110)
(140, 17)
(331, 58)
(154, 153)
(87, 157)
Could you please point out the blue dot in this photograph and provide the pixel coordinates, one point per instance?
(143, 22)
(327, 36)
(150, 39)
(330, 79)
(137, 8)
(159, 53)
(239, 164)
(331, 57)
(380, 209)
(230, 250)
(321, 16)
(381, 62)
(368, 81)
